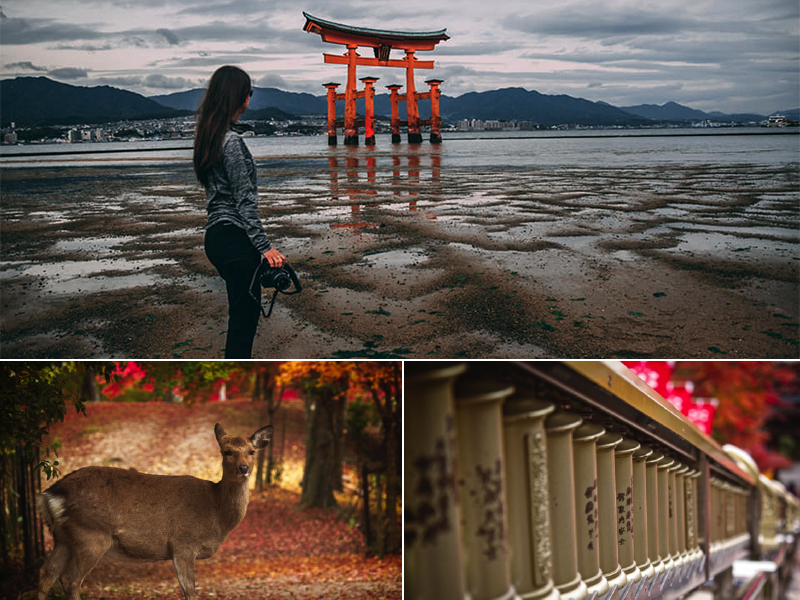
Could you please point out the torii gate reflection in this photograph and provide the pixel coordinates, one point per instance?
(382, 42)
(365, 190)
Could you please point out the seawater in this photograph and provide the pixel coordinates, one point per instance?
(589, 148)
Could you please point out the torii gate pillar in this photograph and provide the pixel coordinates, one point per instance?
(394, 98)
(412, 111)
(369, 104)
(331, 112)
(350, 127)
(436, 120)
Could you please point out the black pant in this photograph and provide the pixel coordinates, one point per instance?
(231, 252)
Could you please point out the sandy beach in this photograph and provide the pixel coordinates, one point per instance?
(403, 256)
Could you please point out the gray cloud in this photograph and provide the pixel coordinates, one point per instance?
(271, 80)
(159, 81)
(68, 73)
(84, 47)
(15, 31)
(125, 81)
(25, 65)
(590, 23)
(171, 38)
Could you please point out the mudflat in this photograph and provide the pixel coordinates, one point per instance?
(404, 258)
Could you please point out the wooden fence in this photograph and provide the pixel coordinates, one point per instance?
(576, 481)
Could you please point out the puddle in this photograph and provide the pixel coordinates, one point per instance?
(178, 233)
(95, 245)
(397, 258)
(70, 268)
(727, 246)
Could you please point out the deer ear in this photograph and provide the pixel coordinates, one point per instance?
(219, 432)
(262, 437)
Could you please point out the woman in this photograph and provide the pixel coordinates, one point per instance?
(235, 240)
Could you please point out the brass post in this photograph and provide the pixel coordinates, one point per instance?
(482, 489)
(584, 441)
(693, 516)
(653, 530)
(432, 557)
(607, 511)
(680, 512)
(673, 514)
(625, 511)
(663, 512)
(529, 536)
(561, 485)
(641, 524)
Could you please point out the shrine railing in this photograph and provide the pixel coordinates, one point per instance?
(576, 481)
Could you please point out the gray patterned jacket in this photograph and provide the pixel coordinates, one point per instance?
(232, 192)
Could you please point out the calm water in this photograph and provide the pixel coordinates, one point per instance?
(609, 148)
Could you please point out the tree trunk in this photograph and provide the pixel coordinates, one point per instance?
(5, 551)
(260, 470)
(319, 474)
(89, 388)
(391, 410)
(365, 496)
(379, 513)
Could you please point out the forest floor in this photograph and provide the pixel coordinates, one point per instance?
(278, 551)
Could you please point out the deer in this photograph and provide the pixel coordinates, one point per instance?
(132, 516)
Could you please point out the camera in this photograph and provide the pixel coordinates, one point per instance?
(278, 278)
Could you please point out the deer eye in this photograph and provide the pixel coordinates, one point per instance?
(252, 452)
(228, 453)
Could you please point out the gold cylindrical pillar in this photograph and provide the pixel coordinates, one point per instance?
(432, 557)
(561, 486)
(673, 514)
(584, 442)
(624, 514)
(607, 510)
(663, 513)
(653, 530)
(680, 512)
(717, 514)
(641, 523)
(692, 516)
(483, 497)
(529, 536)
(730, 516)
(769, 519)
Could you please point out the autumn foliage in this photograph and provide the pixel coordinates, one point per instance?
(746, 393)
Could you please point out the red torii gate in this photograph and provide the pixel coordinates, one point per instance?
(382, 42)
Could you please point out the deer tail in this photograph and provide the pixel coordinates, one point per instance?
(51, 508)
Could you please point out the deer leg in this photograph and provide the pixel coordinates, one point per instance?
(184, 567)
(52, 568)
(85, 553)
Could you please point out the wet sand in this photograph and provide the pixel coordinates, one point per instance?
(404, 258)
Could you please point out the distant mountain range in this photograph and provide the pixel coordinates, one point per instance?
(36, 101)
(29, 101)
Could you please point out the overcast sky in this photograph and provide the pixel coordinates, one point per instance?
(728, 55)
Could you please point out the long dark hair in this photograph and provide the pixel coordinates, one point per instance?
(226, 93)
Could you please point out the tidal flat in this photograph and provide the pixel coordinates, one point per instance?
(407, 254)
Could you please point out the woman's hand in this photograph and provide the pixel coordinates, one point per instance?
(275, 258)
